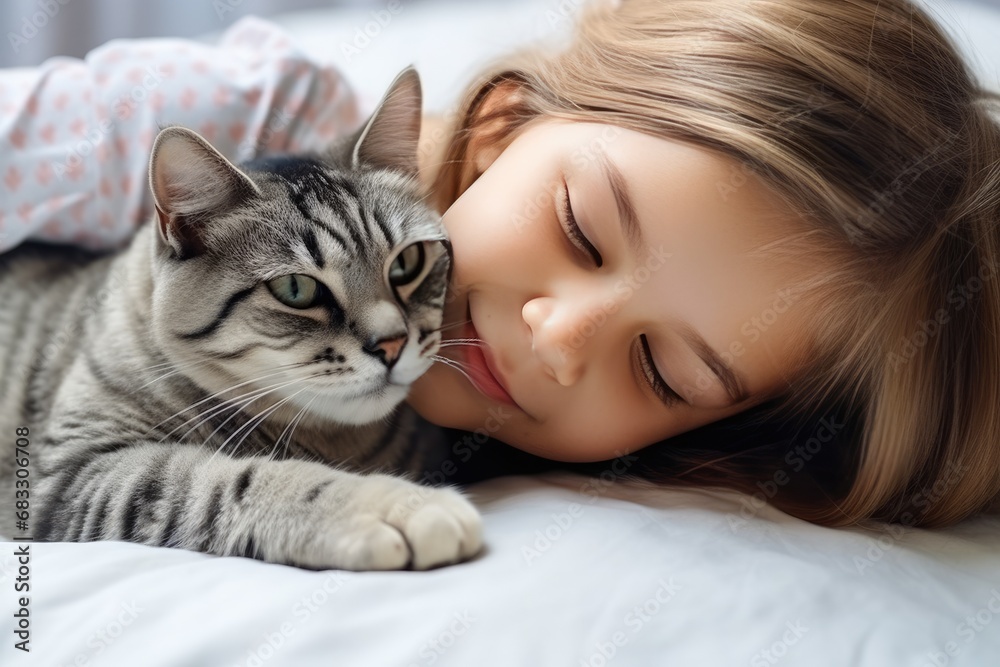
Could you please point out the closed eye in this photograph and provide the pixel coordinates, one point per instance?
(659, 386)
(573, 232)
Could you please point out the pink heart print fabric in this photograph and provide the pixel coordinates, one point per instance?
(76, 133)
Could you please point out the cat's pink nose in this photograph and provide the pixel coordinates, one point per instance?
(389, 348)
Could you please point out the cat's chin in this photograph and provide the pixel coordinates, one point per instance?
(356, 409)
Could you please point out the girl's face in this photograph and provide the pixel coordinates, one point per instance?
(588, 330)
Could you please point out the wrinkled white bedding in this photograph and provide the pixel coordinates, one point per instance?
(574, 572)
(623, 574)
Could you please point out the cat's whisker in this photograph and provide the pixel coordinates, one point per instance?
(172, 365)
(180, 368)
(161, 366)
(469, 342)
(208, 398)
(451, 363)
(218, 408)
(295, 364)
(260, 419)
(237, 403)
(292, 434)
(290, 426)
(248, 403)
(294, 421)
(222, 407)
(444, 359)
(450, 326)
(454, 363)
(226, 421)
(164, 376)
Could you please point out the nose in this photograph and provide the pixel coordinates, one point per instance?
(387, 349)
(561, 335)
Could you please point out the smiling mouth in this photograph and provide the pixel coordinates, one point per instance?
(482, 371)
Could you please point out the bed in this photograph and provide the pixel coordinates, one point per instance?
(576, 572)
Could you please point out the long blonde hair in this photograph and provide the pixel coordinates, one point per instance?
(863, 117)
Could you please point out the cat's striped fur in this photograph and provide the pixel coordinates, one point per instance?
(174, 400)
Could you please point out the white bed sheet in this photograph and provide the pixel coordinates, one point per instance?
(627, 575)
(573, 573)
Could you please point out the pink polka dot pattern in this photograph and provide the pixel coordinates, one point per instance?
(76, 133)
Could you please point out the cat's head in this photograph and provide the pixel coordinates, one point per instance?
(319, 277)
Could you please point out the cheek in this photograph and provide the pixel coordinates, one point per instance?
(614, 423)
(498, 220)
(436, 396)
(574, 437)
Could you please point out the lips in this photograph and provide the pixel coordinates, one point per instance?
(482, 369)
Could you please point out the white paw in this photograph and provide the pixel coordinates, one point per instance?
(389, 523)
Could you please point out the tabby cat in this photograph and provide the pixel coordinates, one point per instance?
(232, 381)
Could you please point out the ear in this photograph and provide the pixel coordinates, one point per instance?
(489, 123)
(191, 183)
(389, 138)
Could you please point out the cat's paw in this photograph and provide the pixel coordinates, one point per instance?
(393, 524)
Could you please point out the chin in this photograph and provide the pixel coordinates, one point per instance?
(433, 398)
(435, 411)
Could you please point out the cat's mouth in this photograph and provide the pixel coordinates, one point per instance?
(349, 404)
(329, 383)
(353, 383)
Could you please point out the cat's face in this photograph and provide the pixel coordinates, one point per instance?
(320, 279)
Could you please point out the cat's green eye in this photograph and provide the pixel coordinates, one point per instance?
(295, 290)
(407, 265)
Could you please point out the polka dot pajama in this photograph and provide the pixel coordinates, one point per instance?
(76, 133)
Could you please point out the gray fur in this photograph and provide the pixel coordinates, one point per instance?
(147, 376)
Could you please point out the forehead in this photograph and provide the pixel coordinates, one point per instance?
(313, 214)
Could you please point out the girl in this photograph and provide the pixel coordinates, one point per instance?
(732, 243)
(775, 221)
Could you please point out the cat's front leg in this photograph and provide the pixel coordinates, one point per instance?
(295, 512)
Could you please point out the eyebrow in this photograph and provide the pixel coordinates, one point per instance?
(627, 217)
(734, 382)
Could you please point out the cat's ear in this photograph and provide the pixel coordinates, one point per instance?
(191, 182)
(390, 137)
